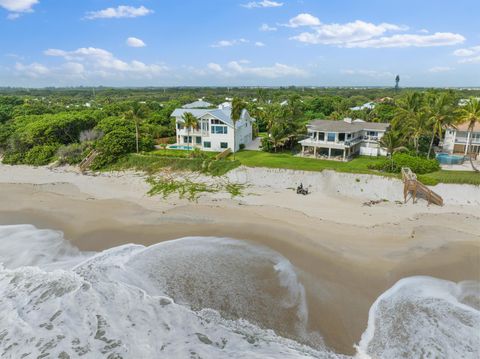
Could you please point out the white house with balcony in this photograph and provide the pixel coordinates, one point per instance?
(341, 140)
(457, 140)
(214, 131)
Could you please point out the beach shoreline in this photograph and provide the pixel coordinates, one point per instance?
(347, 253)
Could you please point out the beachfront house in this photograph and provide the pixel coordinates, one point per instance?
(341, 140)
(457, 140)
(214, 131)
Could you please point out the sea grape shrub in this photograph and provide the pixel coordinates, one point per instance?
(417, 164)
(118, 143)
(112, 146)
(40, 155)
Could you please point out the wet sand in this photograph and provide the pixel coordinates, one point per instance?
(343, 264)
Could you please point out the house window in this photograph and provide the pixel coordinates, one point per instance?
(223, 145)
(331, 137)
(198, 140)
(217, 122)
(373, 133)
(219, 130)
(321, 136)
(187, 139)
(179, 126)
(207, 144)
(341, 137)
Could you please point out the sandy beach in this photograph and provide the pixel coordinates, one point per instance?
(347, 253)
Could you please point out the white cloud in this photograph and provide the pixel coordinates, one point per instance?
(303, 20)
(341, 34)
(119, 12)
(34, 70)
(437, 69)
(17, 6)
(229, 43)
(215, 67)
(411, 40)
(363, 34)
(262, 4)
(259, 44)
(275, 71)
(266, 28)
(135, 42)
(369, 73)
(104, 63)
(469, 55)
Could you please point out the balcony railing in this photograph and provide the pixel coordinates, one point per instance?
(347, 143)
(463, 140)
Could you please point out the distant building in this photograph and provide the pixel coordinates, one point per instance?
(214, 131)
(457, 139)
(365, 106)
(343, 139)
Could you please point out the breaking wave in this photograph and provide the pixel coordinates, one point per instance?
(202, 298)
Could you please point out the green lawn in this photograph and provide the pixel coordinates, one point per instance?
(288, 161)
(462, 177)
(357, 165)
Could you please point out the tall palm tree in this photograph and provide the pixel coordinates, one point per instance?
(189, 121)
(136, 114)
(237, 108)
(410, 118)
(440, 114)
(392, 142)
(470, 113)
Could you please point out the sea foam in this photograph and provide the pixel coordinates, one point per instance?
(202, 298)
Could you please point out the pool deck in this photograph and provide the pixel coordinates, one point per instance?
(463, 167)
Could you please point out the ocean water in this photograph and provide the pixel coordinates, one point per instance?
(202, 298)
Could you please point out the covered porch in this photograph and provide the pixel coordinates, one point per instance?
(328, 151)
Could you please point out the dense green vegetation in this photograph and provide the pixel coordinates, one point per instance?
(40, 126)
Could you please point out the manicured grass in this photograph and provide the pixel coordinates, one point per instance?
(462, 177)
(288, 161)
(357, 165)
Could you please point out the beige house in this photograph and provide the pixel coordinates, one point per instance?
(341, 140)
(457, 140)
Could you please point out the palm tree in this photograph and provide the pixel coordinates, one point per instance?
(392, 142)
(136, 114)
(237, 108)
(470, 113)
(189, 121)
(277, 136)
(411, 119)
(439, 110)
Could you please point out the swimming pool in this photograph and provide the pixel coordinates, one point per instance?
(447, 159)
(179, 147)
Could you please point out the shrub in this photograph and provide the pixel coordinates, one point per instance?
(112, 146)
(419, 165)
(40, 155)
(72, 154)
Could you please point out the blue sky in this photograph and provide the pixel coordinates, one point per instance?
(239, 42)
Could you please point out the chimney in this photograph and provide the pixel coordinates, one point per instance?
(347, 120)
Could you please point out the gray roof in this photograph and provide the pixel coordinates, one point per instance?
(223, 115)
(343, 126)
(198, 104)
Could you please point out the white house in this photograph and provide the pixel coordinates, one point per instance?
(343, 139)
(214, 131)
(457, 140)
